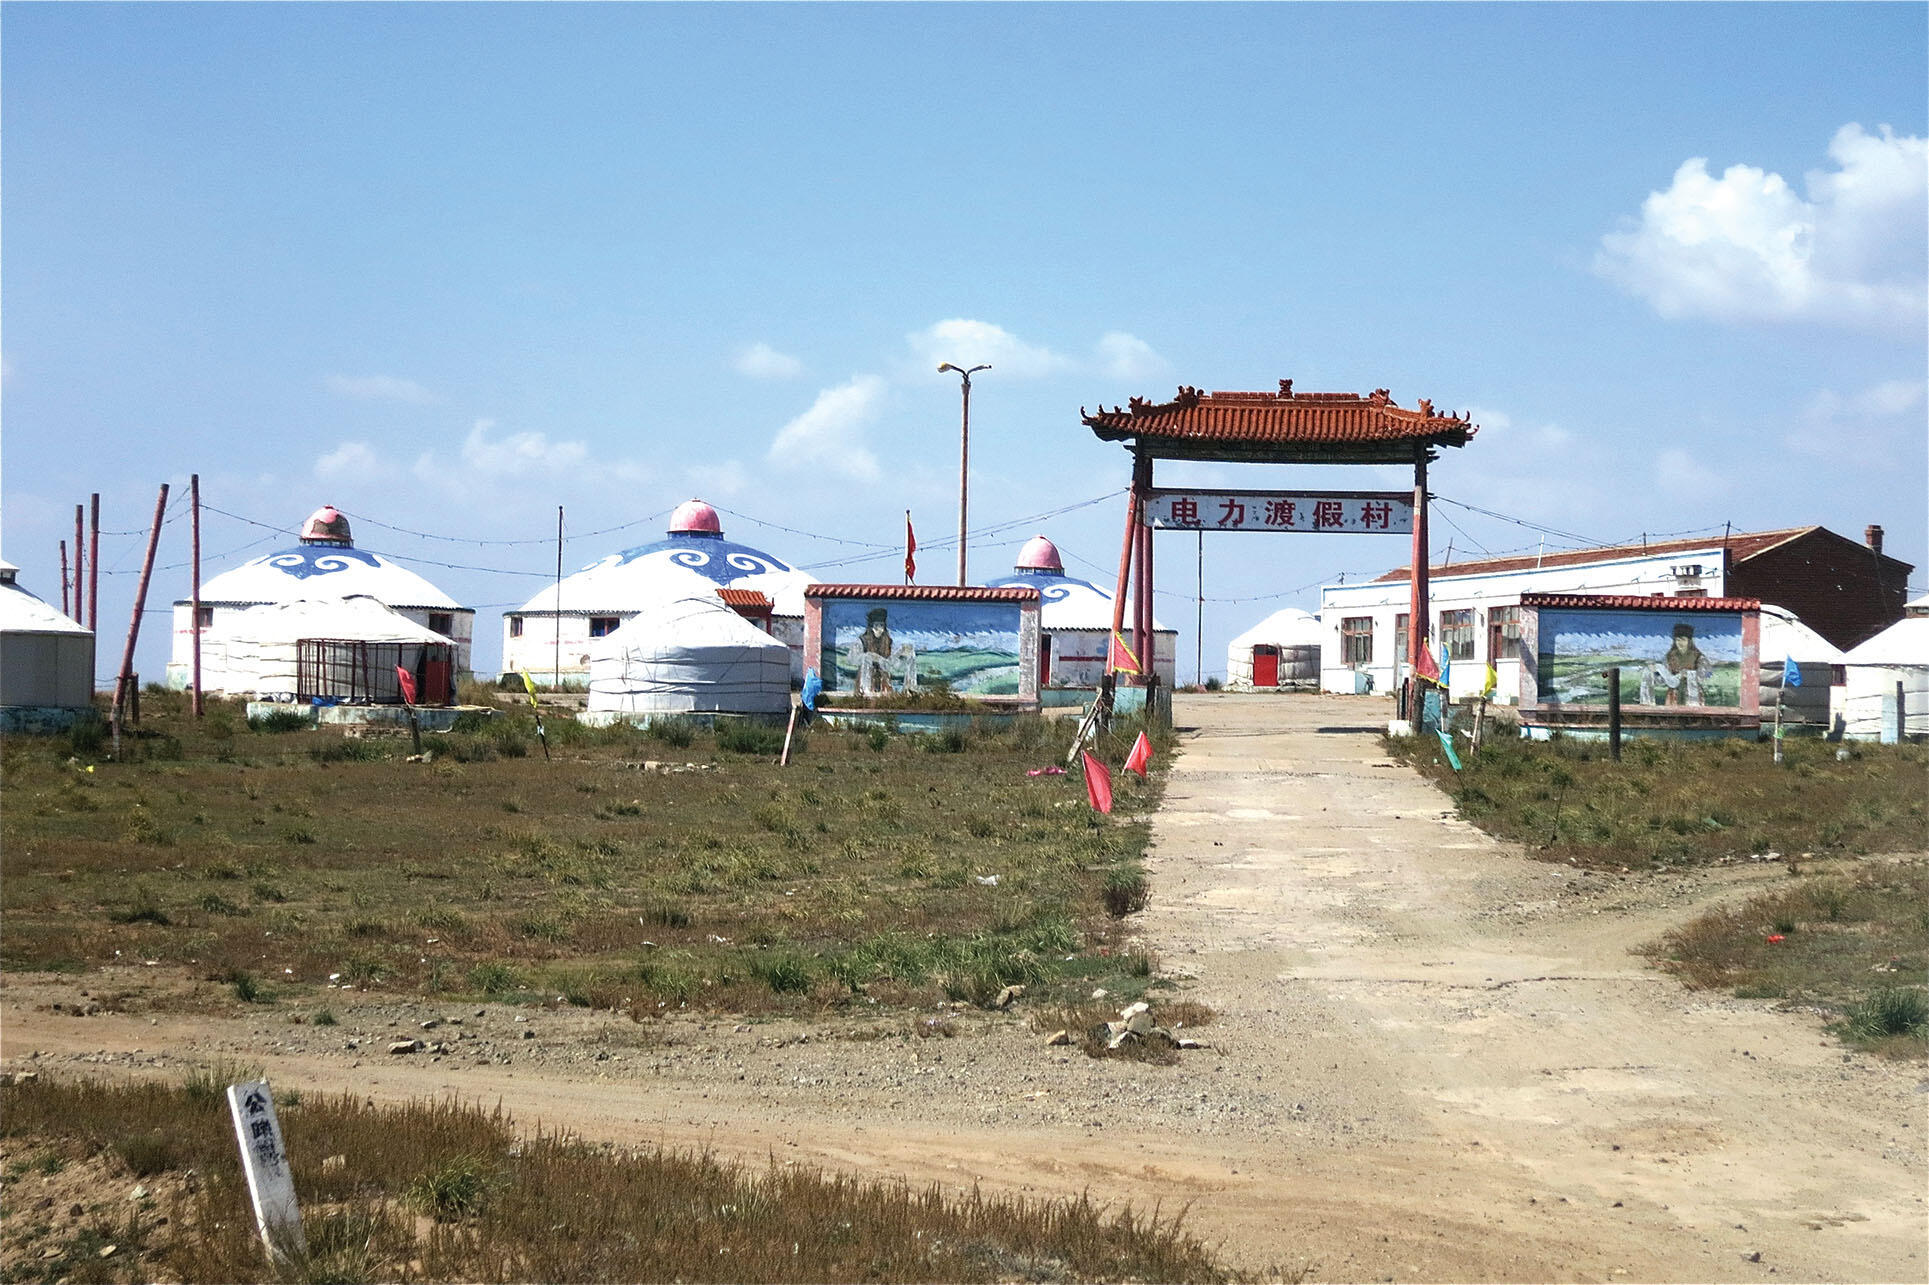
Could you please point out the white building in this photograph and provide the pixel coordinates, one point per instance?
(325, 567)
(1075, 621)
(46, 662)
(553, 636)
(1280, 651)
(1838, 588)
(1898, 657)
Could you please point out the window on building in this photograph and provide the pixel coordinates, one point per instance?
(1400, 638)
(442, 622)
(1457, 634)
(204, 617)
(602, 625)
(1503, 634)
(1356, 640)
(515, 626)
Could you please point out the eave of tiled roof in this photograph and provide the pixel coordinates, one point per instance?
(1741, 545)
(925, 592)
(1638, 602)
(1284, 426)
(742, 598)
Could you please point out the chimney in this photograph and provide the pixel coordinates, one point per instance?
(1872, 536)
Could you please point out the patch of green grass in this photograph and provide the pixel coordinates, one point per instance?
(1893, 1011)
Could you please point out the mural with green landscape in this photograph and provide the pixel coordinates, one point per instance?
(1690, 659)
(881, 649)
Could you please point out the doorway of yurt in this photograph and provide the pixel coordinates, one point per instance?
(1265, 665)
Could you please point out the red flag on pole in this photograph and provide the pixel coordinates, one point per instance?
(1098, 783)
(407, 680)
(910, 550)
(1428, 668)
(1141, 755)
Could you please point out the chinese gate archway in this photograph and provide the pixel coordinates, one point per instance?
(1268, 428)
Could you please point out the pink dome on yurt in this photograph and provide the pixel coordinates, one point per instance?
(694, 517)
(1040, 554)
(325, 525)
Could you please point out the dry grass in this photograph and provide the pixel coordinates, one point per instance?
(297, 857)
(1685, 803)
(1856, 945)
(498, 1207)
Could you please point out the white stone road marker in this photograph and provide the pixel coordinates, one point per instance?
(264, 1158)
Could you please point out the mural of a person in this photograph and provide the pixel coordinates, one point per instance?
(873, 655)
(1680, 672)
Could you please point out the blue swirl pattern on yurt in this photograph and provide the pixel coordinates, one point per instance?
(311, 560)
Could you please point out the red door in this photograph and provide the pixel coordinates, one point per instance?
(1265, 666)
(1044, 660)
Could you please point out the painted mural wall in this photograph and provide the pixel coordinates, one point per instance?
(1687, 659)
(887, 648)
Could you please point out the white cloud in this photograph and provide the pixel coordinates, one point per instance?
(1747, 247)
(380, 388)
(761, 361)
(1681, 474)
(518, 454)
(351, 461)
(830, 434)
(973, 343)
(1124, 356)
(1883, 401)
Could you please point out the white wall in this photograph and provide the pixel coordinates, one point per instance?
(1386, 600)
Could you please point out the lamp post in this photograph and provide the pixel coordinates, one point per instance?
(964, 455)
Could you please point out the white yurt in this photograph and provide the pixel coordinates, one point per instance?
(1075, 620)
(1283, 650)
(329, 650)
(324, 567)
(552, 636)
(46, 662)
(1898, 656)
(692, 655)
(1785, 638)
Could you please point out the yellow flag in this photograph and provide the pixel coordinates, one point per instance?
(530, 685)
(1493, 681)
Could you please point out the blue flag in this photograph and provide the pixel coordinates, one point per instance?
(813, 686)
(1791, 673)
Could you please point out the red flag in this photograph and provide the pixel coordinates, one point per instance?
(407, 680)
(910, 550)
(1098, 783)
(1121, 659)
(1428, 668)
(1141, 755)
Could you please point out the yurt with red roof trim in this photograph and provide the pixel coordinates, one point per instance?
(554, 635)
(333, 589)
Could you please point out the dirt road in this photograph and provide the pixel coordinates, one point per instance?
(1435, 1059)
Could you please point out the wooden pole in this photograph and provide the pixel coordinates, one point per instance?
(1778, 725)
(134, 625)
(93, 566)
(194, 495)
(80, 533)
(64, 609)
(1149, 654)
(1614, 712)
(1902, 716)
(784, 759)
(1417, 600)
(1125, 576)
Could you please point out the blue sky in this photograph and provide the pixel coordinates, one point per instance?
(451, 266)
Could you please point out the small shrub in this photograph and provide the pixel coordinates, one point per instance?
(210, 1083)
(276, 721)
(676, 732)
(247, 987)
(144, 909)
(783, 973)
(749, 738)
(877, 738)
(1213, 684)
(949, 741)
(216, 904)
(493, 978)
(324, 1017)
(1126, 891)
(664, 913)
(146, 1154)
(457, 1189)
(1892, 1011)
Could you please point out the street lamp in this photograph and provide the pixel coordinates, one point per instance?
(964, 455)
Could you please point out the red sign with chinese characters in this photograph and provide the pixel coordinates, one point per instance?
(1354, 512)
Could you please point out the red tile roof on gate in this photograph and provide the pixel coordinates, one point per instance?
(1741, 545)
(744, 599)
(1282, 419)
(1638, 602)
(925, 592)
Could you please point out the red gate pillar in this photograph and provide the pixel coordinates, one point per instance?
(1417, 605)
(1142, 597)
